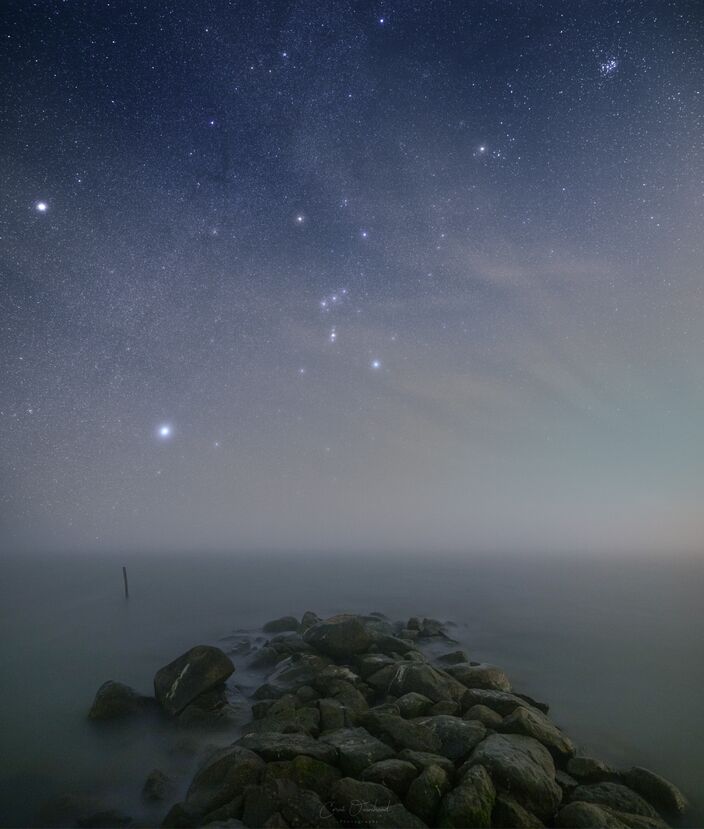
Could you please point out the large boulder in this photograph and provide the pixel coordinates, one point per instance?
(114, 700)
(199, 670)
(339, 637)
(522, 766)
(290, 674)
(662, 794)
(616, 796)
(281, 624)
(484, 715)
(413, 705)
(488, 677)
(470, 803)
(281, 803)
(419, 677)
(401, 733)
(273, 746)
(500, 701)
(367, 804)
(590, 770)
(393, 773)
(356, 748)
(534, 724)
(583, 815)
(222, 777)
(457, 737)
(425, 793)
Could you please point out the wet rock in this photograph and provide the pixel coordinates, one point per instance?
(413, 705)
(302, 720)
(291, 674)
(114, 700)
(457, 737)
(446, 706)
(658, 791)
(484, 715)
(109, 819)
(419, 677)
(502, 702)
(308, 620)
(423, 759)
(453, 658)
(365, 804)
(402, 733)
(339, 637)
(369, 663)
(306, 694)
(487, 677)
(213, 710)
(306, 773)
(590, 815)
(281, 624)
(264, 658)
(356, 748)
(281, 802)
(199, 670)
(524, 767)
(614, 795)
(222, 777)
(272, 746)
(543, 707)
(158, 786)
(391, 645)
(565, 781)
(590, 770)
(333, 715)
(534, 724)
(425, 793)
(509, 814)
(393, 773)
(470, 803)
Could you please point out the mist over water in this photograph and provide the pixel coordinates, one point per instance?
(614, 646)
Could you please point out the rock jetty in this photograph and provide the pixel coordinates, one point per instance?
(362, 722)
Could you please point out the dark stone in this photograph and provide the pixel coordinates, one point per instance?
(500, 701)
(369, 663)
(291, 674)
(470, 803)
(484, 715)
(662, 794)
(199, 670)
(453, 658)
(402, 733)
(306, 773)
(487, 677)
(364, 804)
(222, 777)
(114, 700)
(393, 773)
(457, 737)
(614, 795)
(590, 770)
(419, 677)
(425, 793)
(308, 620)
(264, 658)
(592, 816)
(509, 814)
(522, 766)
(423, 759)
(446, 706)
(272, 746)
(413, 705)
(356, 748)
(339, 637)
(286, 644)
(534, 724)
(280, 625)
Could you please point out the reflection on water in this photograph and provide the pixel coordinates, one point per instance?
(615, 647)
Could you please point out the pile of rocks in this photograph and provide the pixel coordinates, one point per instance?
(357, 726)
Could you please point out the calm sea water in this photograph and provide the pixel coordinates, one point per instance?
(615, 646)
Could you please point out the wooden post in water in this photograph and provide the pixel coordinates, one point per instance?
(124, 576)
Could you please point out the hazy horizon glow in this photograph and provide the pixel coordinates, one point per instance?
(356, 278)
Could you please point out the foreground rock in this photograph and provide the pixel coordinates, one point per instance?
(199, 670)
(114, 700)
(353, 726)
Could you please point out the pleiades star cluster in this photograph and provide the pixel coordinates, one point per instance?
(352, 275)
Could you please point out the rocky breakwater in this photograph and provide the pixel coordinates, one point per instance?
(361, 722)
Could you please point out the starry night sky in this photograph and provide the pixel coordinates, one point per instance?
(352, 275)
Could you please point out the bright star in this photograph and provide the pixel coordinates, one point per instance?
(608, 67)
(41, 207)
(300, 219)
(165, 431)
(376, 364)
